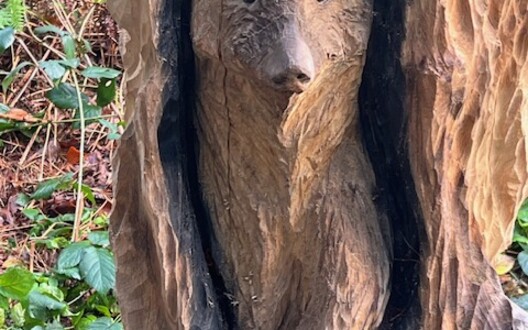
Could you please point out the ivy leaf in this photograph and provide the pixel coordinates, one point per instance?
(7, 37)
(522, 258)
(100, 72)
(101, 238)
(64, 96)
(106, 91)
(8, 80)
(71, 256)
(105, 323)
(46, 188)
(16, 283)
(53, 69)
(98, 269)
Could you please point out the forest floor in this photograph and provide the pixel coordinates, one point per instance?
(44, 147)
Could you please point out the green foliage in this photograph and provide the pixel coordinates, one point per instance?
(79, 288)
(12, 14)
(7, 37)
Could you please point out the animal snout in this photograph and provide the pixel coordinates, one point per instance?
(290, 66)
(294, 78)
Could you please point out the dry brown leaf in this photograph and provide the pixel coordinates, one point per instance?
(19, 115)
(73, 155)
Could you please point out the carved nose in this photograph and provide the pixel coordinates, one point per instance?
(293, 78)
(290, 66)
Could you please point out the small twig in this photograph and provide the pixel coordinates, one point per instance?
(30, 54)
(28, 147)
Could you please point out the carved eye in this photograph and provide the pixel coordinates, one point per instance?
(249, 2)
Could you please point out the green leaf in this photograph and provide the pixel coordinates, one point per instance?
(33, 214)
(71, 63)
(7, 37)
(85, 322)
(53, 69)
(69, 46)
(71, 256)
(100, 72)
(70, 272)
(22, 200)
(16, 283)
(54, 326)
(87, 191)
(105, 323)
(522, 258)
(106, 91)
(49, 28)
(40, 304)
(522, 301)
(98, 269)
(114, 133)
(46, 188)
(2, 318)
(17, 315)
(519, 235)
(51, 289)
(101, 238)
(4, 302)
(8, 80)
(91, 114)
(64, 96)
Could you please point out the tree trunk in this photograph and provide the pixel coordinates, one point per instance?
(278, 172)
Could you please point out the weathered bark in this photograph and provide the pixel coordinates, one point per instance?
(278, 218)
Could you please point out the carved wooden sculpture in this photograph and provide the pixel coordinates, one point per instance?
(285, 177)
(245, 197)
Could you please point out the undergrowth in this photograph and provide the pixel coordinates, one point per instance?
(63, 219)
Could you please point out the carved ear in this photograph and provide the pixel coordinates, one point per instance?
(205, 27)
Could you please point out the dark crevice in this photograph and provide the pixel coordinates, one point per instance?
(177, 141)
(383, 120)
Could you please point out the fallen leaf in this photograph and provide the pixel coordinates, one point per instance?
(503, 264)
(73, 155)
(19, 115)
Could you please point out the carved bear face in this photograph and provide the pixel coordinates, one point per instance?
(282, 43)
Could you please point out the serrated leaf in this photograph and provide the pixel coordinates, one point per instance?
(16, 283)
(64, 96)
(7, 37)
(73, 272)
(8, 80)
(4, 302)
(98, 269)
(522, 258)
(71, 256)
(53, 69)
(101, 238)
(49, 28)
(105, 323)
(46, 188)
(100, 72)
(106, 91)
(2, 318)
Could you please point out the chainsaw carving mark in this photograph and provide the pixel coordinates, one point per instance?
(282, 165)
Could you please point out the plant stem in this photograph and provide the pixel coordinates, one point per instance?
(80, 197)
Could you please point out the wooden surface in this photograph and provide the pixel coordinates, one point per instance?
(466, 80)
(274, 220)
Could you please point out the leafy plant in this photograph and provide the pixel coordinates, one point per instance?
(12, 14)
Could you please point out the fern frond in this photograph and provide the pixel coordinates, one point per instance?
(16, 12)
(5, 18)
